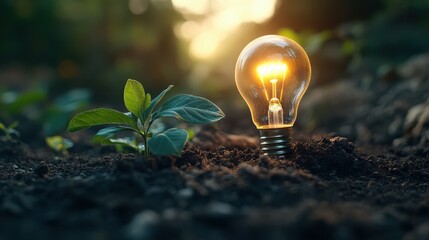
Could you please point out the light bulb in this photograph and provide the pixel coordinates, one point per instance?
(272, 74)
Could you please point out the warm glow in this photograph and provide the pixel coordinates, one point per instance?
(272, 74)
(188, 30)
(272, 71)
(197, 7)
(210, 22)
(206, 43)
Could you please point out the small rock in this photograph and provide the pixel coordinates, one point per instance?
(211, 184)
(417, 119)
(413, 116)
(416, 67)
(170, 214)
(185, 193)
(399, 142)
(142, 225)
(217, 211)
(77, 179)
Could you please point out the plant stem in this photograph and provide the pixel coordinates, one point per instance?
(146, 126)
(146, 146)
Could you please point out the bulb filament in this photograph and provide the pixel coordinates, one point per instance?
(273, 72)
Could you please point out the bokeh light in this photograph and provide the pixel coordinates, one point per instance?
(208, 23)
(138, 7)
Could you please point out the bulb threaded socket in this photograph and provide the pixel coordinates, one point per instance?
(276, 141)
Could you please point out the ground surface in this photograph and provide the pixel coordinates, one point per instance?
(327, 189)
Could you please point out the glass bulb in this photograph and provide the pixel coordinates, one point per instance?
(272, 74)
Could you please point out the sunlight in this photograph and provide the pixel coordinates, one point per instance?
(210, 22)
(189, 29)
(198, 7)
(204, 45)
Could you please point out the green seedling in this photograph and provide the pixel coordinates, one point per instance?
(13, 103)
(49, 115)
(9, 132)
(59, 144)
(143, 111)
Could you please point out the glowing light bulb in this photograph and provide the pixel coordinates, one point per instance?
(272, 74)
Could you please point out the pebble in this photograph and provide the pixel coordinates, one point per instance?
(413, 116)
(77, 178)
(185, 193)
(416, 122)
(142, 225)
(416, 67)
(216, 210)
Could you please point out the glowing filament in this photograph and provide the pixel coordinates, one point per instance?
(273, 72)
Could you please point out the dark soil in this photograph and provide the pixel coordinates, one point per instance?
(219, 188)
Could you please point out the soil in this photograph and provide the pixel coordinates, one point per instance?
(363, 175)
(218, 188)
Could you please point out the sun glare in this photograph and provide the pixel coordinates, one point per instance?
(209, 22)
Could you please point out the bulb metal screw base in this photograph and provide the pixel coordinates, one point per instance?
(276, 141)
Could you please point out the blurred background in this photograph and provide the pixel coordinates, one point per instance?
(58, 57)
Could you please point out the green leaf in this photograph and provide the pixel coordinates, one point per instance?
(190, 109)
(134, 97)
(158, 127)
(16, 102)
(170, 142)
(128, 142)
(100, 116)
(147, 101)
(14, 124)
(348, 47)
(9, 132)
(108, 132)
(59, 143)
(191, 134)
(154, 103)
(73, 100)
